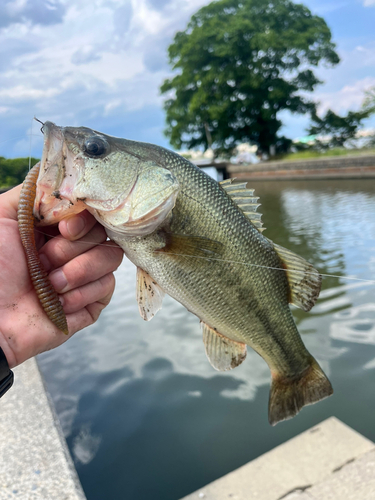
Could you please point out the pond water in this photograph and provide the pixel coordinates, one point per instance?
(147, 417)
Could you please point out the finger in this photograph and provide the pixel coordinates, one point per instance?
(87, 267)
(86, 316)
(58, 251)
(100, 290)
(9, 203)
(77, 226)
(44, 234)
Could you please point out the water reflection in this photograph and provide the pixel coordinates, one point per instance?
(355, 325)
(140, 399)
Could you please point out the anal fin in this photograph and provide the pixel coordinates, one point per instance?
(223, 353)
(149, 295)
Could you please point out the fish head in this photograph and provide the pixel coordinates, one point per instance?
(122, 183)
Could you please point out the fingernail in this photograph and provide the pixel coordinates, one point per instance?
(58, 280)
(45, 262)
(75, 226)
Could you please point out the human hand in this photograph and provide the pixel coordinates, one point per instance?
(80, 266)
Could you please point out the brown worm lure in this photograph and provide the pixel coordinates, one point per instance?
(43, 287)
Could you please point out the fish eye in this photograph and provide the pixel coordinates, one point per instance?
(95, 146)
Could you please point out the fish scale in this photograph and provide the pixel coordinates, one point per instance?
(199, 241)
(209, 299)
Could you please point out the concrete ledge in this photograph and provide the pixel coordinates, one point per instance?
(327, 462)
(333, 162)
(35, 463)
(305, 174)
(328, 167)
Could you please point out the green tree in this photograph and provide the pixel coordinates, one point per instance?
(239, 63)
(369, 106)
(338, 129)
(13, 171)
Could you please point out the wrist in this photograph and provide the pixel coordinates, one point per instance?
(7, 350)
(6, 375)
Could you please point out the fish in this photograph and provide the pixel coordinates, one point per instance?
(199, 241)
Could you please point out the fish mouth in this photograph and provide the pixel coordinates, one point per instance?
(50, 208)
(57, 175)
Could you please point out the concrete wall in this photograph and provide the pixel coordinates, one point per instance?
(327, 462)
(351, 166)
(35, 463)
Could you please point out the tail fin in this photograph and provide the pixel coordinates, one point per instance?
(289, 395)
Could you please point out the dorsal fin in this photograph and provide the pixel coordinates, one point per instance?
(304, 280)
(245, 200)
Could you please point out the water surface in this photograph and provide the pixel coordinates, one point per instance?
(147, 417)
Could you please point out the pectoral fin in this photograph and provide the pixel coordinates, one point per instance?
(223, 353)
(191, 246)
(149, 295)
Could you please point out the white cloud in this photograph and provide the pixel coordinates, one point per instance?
(100, 63)
(22, 92)
(89, 49)
(368, 3)
(43, 12)
(112, 105)
(344, 85)
(349, 97)
(95, 62)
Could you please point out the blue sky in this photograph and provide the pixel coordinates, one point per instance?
(99, 63)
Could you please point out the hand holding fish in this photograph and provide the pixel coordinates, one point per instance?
(82, 275)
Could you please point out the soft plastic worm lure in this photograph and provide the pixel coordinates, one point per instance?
(43, 287)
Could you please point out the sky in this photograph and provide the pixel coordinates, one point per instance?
(100, 63)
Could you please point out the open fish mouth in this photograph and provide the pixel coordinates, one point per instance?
(51, 208)
(77, 172)
(56, 180)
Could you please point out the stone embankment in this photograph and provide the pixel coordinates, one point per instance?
(351, 166)
(35, 463)
(330, 461)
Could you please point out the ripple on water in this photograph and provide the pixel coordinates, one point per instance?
(133, 394)
(356, 324)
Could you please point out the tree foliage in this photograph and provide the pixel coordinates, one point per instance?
(239, 63)
(13, 171)
(338, 129)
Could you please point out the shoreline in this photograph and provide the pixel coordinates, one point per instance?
(35, 460)
(332, 167)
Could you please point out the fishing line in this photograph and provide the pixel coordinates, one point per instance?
(196, 256)
(15, 138)
(220, 260)
(31, 136)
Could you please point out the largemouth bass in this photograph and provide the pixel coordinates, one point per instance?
(197, 240)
